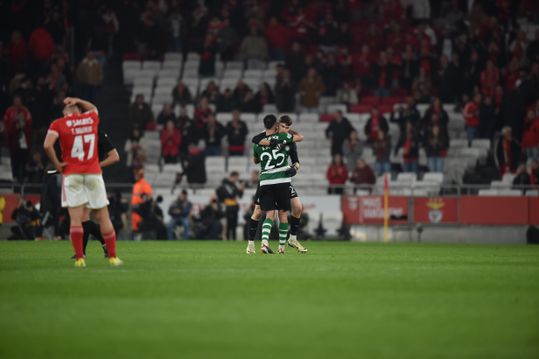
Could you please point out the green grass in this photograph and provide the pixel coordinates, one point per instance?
(210, 300)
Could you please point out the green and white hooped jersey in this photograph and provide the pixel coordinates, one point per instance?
(273, 161)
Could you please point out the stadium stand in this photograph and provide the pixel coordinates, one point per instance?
(451, 47)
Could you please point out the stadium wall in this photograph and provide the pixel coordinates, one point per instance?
(468, 219)
(462, 210)
(442, 234)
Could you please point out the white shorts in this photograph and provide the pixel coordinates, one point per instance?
(80, 189)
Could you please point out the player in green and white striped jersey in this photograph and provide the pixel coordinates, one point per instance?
(274, 160)
(275, 177)
(285, 122)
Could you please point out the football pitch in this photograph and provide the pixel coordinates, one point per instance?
(192, 299)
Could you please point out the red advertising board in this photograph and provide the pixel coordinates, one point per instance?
(436, 210)
(533, 210)
(8, 203)
(473, 210)
(494, 210)
(370, 209)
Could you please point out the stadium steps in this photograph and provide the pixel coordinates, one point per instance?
(113, 101)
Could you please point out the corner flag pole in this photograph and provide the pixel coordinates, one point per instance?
(386, 208)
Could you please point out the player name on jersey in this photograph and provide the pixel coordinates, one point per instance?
(81, 130)
(80, 122)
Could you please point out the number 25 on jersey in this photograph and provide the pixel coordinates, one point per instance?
(273, 159)
(77, 151)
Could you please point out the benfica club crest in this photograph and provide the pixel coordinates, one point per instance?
(435, 212)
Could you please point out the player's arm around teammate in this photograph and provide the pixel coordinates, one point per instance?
(297, 207)
(284, 127)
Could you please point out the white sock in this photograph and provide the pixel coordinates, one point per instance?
(293, 237)
(265, 242)
(251, 243)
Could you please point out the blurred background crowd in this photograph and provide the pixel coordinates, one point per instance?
(400, 63)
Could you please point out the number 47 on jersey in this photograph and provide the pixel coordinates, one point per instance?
(77, 151)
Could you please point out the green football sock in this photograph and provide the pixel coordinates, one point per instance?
(283, 233)
(266, 229)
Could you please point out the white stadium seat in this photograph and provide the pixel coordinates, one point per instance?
(170, 56)
(190, 73)
(229, 83)
(143, 82)
(151, 65)
(269, 107)
(508, 178)
(336, 107)
(131, 64)
(499, 184)
(172, 65)
(406, 177)
(270, 73)
(192, 56)
(169, 73)
(308, 118)
(457, 142)
(224, 117)
(488, 192)
(231, 73)
(253, 83)
(166, 82)
(509, 192)
(234, 65)
(437, 177)
(481, 143)
(253, 74)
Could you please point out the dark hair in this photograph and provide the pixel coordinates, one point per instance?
(184, 192)
(286, 120)
(269, 121)
(234, 174)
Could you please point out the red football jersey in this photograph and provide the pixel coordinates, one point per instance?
(78, 141)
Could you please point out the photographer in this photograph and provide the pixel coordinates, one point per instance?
(179, 211)
(50, 205)
(118, 210)
(209, 224)
(18, 129)
(230, 191)
(27, 218)
(152, 225)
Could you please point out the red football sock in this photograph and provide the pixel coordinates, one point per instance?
(76, 233)
(110, 240)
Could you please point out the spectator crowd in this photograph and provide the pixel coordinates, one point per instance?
(39, 67)
(477, 56)
(481, 56)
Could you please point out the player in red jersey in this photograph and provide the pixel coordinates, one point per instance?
(82, 183)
